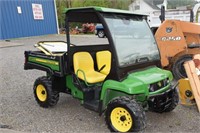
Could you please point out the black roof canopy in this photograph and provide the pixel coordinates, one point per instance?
(90, 14)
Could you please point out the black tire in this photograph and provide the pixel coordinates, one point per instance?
(174, 101)
(43, 93)
(178, 69)
(101, 34)
(126, 114)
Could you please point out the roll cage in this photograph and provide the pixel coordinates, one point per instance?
(95, 15)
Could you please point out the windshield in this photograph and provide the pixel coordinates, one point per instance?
(133, 40)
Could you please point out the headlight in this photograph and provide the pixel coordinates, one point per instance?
(158, 85)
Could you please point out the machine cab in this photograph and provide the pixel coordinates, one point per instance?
(130, 44)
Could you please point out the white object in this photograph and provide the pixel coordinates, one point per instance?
(54, 47)
(19, 10)
(154, 12)
(37, 11)
(58, 32)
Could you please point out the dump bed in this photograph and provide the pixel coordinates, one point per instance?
(51, 58)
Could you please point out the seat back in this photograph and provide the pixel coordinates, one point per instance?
(83, 61)
(84, 68)
(104, 59)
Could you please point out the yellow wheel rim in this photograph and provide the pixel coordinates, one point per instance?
(121, 119)
(41, 93)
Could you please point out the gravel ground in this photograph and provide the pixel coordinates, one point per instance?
(20, 112)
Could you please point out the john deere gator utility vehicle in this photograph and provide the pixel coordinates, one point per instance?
(120, 80)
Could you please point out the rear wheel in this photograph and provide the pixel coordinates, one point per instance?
(125, 115)
(101, 34)
(178, 67)
(43, 93)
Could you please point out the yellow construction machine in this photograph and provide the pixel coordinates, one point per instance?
(185, 92)
(178, 41)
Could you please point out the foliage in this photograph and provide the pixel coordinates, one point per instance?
(84, 3)
(62, 4)
(172, 4)
(118, 4)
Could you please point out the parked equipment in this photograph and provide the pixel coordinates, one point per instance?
(189, 15)
(178, 41)
(173, 14)
(121, 78)
(185, 92)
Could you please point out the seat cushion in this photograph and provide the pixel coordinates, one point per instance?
(92, 76)
(84, 64)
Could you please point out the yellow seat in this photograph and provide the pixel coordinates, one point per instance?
(104, 61)
(84, 68)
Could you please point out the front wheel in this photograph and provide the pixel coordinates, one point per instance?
(125, 115)
(43, 93)
(174, 102)
(164, 103)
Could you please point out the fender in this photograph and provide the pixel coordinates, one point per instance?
(112, 89)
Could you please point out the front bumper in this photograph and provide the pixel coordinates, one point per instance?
(160, 102)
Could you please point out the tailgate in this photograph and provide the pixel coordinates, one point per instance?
(54, 65)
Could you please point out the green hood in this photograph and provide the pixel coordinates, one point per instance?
(150, 75)
(136, 82)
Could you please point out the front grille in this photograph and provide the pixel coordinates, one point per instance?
(158, 85)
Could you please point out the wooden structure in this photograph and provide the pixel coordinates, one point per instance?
(192, 68)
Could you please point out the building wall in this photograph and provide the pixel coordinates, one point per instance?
(15, 25)
(144, 7)
(140, 6)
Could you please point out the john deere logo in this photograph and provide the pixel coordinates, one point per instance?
(169, 29)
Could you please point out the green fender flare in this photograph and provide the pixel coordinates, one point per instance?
(112, 89)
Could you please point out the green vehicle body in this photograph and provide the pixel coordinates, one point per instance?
(129, 87)
(135, 84)
(54, 65)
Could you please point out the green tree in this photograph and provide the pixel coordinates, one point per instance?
(120, 4)
(84, 3)
(60, 7)
(63, 4)
(177, 3)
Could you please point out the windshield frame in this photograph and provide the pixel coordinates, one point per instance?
(132, 19)
(93, 16)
